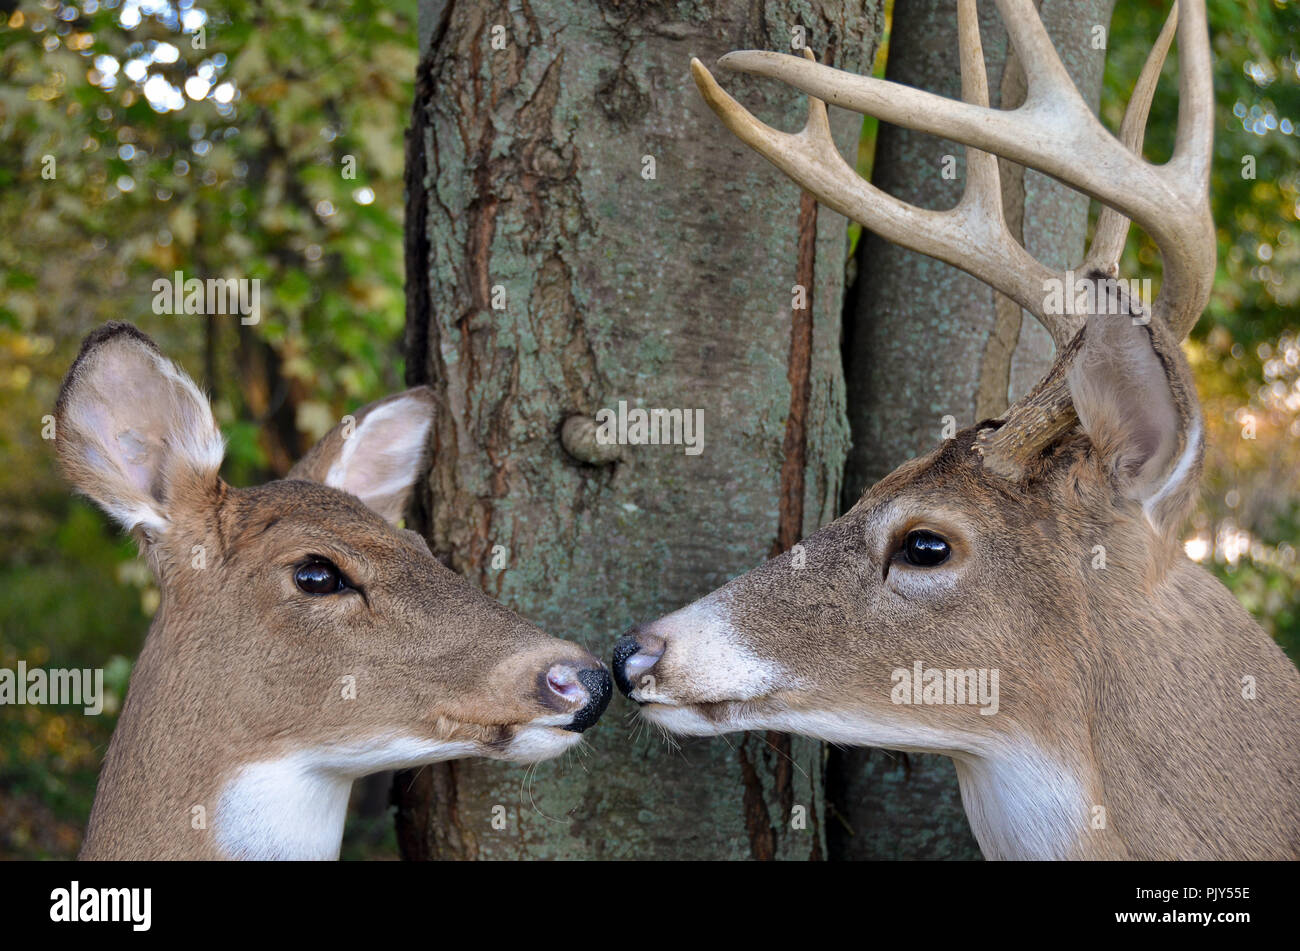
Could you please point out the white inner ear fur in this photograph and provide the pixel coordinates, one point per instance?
(135, 420)
(380, 461)
(1179, 473)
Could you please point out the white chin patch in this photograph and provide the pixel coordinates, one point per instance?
(684, 721)
(536, 742)
(293, 806)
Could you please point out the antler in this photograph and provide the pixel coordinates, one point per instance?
(1053, 131)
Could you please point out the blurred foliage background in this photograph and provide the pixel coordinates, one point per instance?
(265, 140)
(235, 139)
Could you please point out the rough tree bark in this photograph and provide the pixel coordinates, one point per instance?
(925, 341)
(551, 274)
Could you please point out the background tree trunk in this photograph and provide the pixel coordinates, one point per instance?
(925, 341)
(529, 186)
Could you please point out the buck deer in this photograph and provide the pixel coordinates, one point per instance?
(303, 640)
(1142, 712)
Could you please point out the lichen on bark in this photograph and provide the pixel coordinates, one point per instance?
(549, 274)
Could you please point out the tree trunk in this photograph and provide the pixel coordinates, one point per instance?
(925, 341)
(582, 230)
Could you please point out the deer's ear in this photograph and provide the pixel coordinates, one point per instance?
(1134, 394)
(377, 454)
(133, 432)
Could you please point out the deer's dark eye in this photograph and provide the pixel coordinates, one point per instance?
(925, 549)
(318, 577)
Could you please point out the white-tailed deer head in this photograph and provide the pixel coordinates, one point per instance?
(1018, 599)
(303, 640)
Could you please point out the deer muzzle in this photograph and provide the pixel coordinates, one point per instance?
(589, 685)
(634, 654)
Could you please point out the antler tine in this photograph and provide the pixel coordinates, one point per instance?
(1194, 141)
(1047, 411)
(1189, 256)
(983, 183)
(981, 200)
(1056, 133)
(1112, 227)
(972, 236)
(1047, 78)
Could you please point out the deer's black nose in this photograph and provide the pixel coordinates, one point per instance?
(635, 653)
(599, 689)
(588, 685)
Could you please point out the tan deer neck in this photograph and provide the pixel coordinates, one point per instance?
(182, 780)
(1195, 748)
(157, 786)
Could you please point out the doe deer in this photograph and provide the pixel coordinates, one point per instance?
(303, 640)
(1141, 711)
